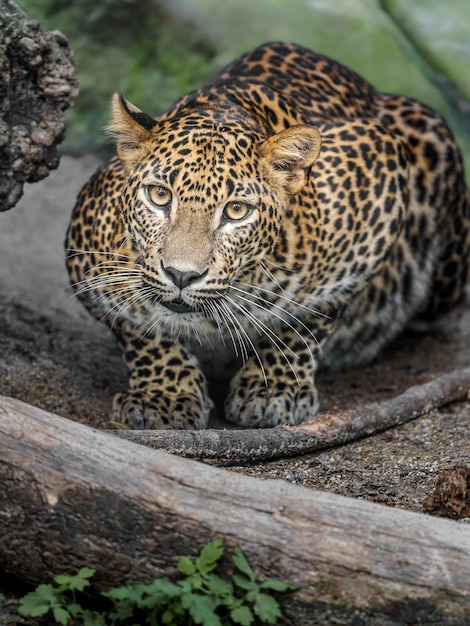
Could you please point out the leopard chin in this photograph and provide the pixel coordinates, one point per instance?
(178, 306)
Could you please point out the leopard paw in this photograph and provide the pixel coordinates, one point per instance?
(158, 412)
(253, 404)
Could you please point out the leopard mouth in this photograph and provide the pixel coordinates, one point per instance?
(178, 306)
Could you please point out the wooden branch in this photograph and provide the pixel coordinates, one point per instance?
(72, 496)
(323, 431)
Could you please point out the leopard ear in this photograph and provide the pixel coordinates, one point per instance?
(291, 153)
(130, 127)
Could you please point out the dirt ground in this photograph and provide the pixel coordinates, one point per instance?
(53, 355)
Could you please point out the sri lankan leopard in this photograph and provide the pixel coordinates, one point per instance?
(284, 216)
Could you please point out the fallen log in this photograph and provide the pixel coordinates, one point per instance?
(72, 496)
(318, 433)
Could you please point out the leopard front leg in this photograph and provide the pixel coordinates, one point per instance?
(166, 387)
(275, 387)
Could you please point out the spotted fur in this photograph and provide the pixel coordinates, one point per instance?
(287, 215)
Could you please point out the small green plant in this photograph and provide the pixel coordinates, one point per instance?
(61, 600)
(199, 597)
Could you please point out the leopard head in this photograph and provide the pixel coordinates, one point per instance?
(205, 195)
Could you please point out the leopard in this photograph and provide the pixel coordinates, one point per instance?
(285, 217)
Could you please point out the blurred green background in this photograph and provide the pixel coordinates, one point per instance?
(156, 50)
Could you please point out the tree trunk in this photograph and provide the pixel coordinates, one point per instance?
(73, 496)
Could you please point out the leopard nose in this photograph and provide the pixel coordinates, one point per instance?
(182, 279)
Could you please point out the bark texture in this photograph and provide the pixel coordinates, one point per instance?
(73, 496)
(37, 84)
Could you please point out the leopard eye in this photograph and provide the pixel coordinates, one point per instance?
(236, 211)
(159, 196)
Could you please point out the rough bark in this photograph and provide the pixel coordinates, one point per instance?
(73, 496)
(320, 432)
(37, 84)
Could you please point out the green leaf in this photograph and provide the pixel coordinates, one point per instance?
(196, 597)
(267, 608)
(185, 586)
(63, 579)
(117, 593)
(86, 572)
(93, 618)
(78, 582)
(177, 607)
(218, 587)
(210, 556)
(61, 615)
(196, 580)
(278, 585)
(168, 618)
(45, 592)
(186, 566)
(122, 611)
(201, 609)
(242, 615)
(74, 609)
(240, 562)
(26, 610)
(159, 599)
(132, 593)
(164, 585)
(245, 583)
(251, 596)
(38, 602)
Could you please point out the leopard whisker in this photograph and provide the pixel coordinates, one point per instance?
(263, 329)
(120, 306)
(104, 282)
(238, 343)
(195, 331)
(287, 298)
(271, 277)
(280, 267)
(267, 305)
(284, 321)
(153, 328)
(111, 253)
(115, 288)
(118, 271)
(230, 315)
(211, 312)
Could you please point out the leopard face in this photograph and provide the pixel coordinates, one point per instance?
(203, 205)
(285, 216)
